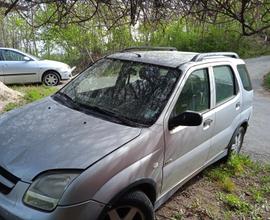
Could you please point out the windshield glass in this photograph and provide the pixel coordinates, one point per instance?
(133, 91)
(32, 56)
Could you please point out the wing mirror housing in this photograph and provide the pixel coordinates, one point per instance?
(187, 118)
(27, 58)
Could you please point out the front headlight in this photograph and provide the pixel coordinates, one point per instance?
(46, 191)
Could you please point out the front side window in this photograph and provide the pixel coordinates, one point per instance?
(12, 55)
(195, 95)
(123, 89)
(225, 83)
(243, 72)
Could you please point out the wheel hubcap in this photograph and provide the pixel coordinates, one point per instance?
(237, 142)
(51, 79)
(125, 213)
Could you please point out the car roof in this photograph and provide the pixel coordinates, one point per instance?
(6, 48)
(171, 59)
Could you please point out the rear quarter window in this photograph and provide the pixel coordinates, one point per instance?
(243, 72)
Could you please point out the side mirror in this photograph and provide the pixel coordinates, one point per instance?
(185, 119)
(26, 58)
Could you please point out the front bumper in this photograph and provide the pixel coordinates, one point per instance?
(66, 75)
(13, 208)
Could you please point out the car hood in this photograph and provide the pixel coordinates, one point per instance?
(52, 64)
(47, 135)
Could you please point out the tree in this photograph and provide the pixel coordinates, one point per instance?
(252, 15)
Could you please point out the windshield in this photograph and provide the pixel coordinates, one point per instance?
(133, 91)
(32, 56)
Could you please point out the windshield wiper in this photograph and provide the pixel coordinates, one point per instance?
(67, 100)
(114, 115)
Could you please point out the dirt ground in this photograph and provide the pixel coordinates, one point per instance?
(201, 198)
(7, 95)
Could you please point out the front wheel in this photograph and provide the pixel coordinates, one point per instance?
(51, 78)
(133, 206)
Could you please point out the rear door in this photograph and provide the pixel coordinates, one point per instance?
(187, 147)
(16, 69)
(228, 106)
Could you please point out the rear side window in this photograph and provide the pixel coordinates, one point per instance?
(242, 69)
(226, 86)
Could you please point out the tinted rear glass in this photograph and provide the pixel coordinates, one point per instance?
(242, 69)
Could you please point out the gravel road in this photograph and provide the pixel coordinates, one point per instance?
(257, 140)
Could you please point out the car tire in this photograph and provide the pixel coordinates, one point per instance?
(237, 141)
(51, 78)
(133, 206)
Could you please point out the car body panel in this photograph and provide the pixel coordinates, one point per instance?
(58, 136)
(20, 71)
(1, 73)
(161, 58)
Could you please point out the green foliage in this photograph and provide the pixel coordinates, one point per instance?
(31, 93)
(228, 185)
(235, 203)
(223, 177)
(34, 93)
(10, 106)
(267, 81)
(237, 164)
(80, 44)
(177, 216)
(257, 194)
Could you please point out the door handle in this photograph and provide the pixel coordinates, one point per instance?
(237, 106)
(207, 123)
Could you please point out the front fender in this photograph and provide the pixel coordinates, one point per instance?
(141, 158)
(144, 171)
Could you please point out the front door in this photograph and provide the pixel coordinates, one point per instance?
(187, 147)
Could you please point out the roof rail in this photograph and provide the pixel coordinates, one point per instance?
(201, 56)
(149, 48)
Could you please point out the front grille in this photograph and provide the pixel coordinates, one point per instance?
(7, 181)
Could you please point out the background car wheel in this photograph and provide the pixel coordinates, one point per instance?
(133, 206)
(237, 141)
(51, 78)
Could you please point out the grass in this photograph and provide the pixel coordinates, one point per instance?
(30, 93)
(236, 189)
(267, 81)
(235, 203)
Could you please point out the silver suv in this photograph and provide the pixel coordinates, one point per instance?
(118, 140)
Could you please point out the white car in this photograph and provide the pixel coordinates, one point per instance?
(20, 67)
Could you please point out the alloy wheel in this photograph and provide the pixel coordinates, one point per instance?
(236, 146)
(125, 213)
(51, 79)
